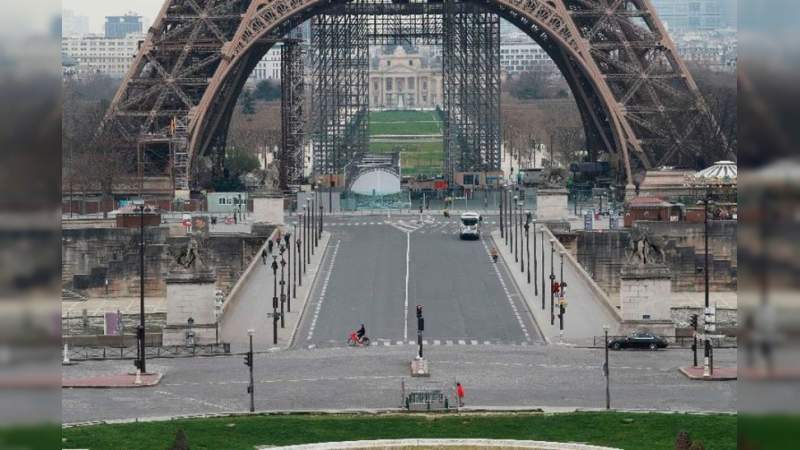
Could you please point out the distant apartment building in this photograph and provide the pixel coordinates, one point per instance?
(92, 55)
(714, 50)
(521, 54)
(694, 15)
(117, 27)
(269, 68)
(72, 25)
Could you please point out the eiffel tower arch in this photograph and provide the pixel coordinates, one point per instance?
(638, 101)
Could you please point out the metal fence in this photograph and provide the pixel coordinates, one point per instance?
(427, 396)
(86, 353)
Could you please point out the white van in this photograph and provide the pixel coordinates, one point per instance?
(470, 225)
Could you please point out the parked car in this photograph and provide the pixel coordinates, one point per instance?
(639, 339)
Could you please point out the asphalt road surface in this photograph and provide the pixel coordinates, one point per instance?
(366, 378)
(384, 266)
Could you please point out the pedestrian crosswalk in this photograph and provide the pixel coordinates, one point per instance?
(427, 225)
(380, 342)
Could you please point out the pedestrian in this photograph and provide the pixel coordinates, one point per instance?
(460, 394)
(264, 256)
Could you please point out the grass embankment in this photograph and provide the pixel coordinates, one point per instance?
(623, 430)
(419, 155)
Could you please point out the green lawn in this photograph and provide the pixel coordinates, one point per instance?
(418, 157)
(403, 122)
(623, 430)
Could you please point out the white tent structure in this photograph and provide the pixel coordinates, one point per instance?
(722, 172)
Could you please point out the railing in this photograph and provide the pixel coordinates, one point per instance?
(85, 353)
(427, 397)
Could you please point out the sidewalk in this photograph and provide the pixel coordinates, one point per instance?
(585, 313)
(251, 305)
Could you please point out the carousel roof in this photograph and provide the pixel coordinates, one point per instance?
(722, 172)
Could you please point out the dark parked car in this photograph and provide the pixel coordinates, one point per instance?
(638, 340)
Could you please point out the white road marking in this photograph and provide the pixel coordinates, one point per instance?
(408, 268)
(462, 342)
(323, 291)
(473, 342)
(448, 342)
(437, 342)
(508, 296)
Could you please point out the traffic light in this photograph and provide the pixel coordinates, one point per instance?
(419, 311)
(248, 359)
(693, 321)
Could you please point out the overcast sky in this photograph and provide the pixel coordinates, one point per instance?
(97, 10)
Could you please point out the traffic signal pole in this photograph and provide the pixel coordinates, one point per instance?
(248, 361)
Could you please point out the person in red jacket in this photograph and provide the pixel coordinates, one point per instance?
(460, 394)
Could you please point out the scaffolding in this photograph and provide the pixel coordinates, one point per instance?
(471, 88)
(292, 121)
(340, 69)
(470, 40)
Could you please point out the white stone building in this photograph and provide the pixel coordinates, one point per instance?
(95, 54)
(403, 80)
(524, 55)
(269, 68)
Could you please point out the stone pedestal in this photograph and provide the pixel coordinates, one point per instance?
(419, 368)
(645, 298)
(190, 295)
(551, 204)
(267, 208)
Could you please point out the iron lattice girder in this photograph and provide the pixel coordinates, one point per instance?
(606, 44)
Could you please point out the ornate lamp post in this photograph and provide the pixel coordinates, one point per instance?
(528, 245)
(502, 225)
(562, 298)
(275, 314)
(288, 245)
(552, 283)
(515, 233)
(535, 264)
(283, 282)
(141, 363)
(543, 288)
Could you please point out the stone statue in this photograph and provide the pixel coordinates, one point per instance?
(645, 247)
(554, 177)
(187, 258)
(270, 180)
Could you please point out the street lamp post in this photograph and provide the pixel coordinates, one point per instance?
(528, 246)
(606, 370)
(535, 267)
(248, 361)
(298, 256)
(552, 283)
(288, 245)
(543, 288)
(140, 333)
(321, 216)
(312, 231)
(296, 281)
(506, 194)
(275, 315)
(562, 297)
(708, 359)
(283, 282)
(521, 254)
(502, 225)
(515, 233)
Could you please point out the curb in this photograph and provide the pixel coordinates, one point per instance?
(470, 410)
(437, 443)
